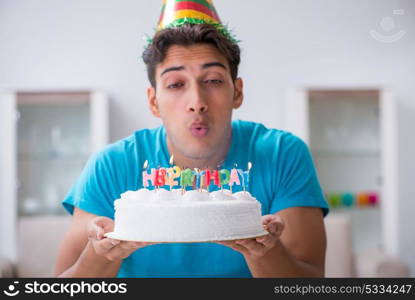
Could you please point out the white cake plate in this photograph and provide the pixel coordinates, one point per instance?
(116, 236)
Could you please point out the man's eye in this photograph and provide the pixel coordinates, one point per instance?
(213, 81)
(175, 85)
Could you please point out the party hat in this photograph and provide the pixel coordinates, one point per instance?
(175, 13)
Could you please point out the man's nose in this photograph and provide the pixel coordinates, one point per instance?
(197, 102)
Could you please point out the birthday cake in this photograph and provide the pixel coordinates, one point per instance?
(162, 215)
(183, 215)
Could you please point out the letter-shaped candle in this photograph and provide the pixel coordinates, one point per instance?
(172, 174)
(209, 175)
(160, 179)
(234, 178)
(149, 177)
(187, 178)
(224, 177)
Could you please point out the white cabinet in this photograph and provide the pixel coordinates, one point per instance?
(352, 136)
(46, 138)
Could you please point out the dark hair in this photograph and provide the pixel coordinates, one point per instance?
(188, 35)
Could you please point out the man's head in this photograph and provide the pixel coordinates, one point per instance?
(188, 35)
(194, 87)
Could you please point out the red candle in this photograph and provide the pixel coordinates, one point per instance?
(209, 175)
(160, 177)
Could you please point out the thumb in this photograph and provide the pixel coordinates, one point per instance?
(99, 226)
(106, 224)
(273, 223)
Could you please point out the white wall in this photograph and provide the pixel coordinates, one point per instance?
(97, 44)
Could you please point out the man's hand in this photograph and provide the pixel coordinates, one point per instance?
(111, 249)
(258, 247)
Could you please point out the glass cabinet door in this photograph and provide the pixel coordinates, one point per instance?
(54, 143)
(345, 142)
(352, 133)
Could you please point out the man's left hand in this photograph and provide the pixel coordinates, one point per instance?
(258, 247)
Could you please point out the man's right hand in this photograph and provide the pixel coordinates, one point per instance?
(111, 249)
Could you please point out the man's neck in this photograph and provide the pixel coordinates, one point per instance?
(212, 162)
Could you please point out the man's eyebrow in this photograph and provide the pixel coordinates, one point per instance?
(179, 68)
(204, 66)
(213, 64)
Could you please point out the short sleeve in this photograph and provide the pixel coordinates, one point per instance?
(97, 187)
(296, 183)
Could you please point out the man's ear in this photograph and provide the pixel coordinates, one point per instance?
(152, 101)
(238, 95)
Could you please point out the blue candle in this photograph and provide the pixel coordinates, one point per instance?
(197, 174)
(245, 177)
(246, 180)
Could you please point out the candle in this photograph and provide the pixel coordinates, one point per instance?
(145, 165)
(224, 177)
(234, 178)
(240, 172)
(170, 182)
(149, 177)
(197, 174)
(172, 174)
(246, 176)
(209, 175)
(160, 179)
(202, 175)
(187, 178)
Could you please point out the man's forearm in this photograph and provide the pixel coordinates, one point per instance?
(89, 264)
(278, 262)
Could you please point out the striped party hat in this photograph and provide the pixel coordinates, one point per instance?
(175, 13)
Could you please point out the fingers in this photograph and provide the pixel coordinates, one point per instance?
(98, 226)
(256, 247)
(268, 241)
(123, 250)
(259, 246)
(115, 250)
(273, 224)
(102, 247)
(267, 219)
(245, 246)
(252, 246)
(110, 248)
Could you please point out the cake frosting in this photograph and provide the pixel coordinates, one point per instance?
(164, 215)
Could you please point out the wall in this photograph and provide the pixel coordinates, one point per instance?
(56, 44)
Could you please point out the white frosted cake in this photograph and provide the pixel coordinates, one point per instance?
(195, 216)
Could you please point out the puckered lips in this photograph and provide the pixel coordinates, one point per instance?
(199, 129)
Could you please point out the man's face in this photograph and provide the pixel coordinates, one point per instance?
(195, 96)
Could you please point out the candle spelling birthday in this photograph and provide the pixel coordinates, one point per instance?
(174, 176)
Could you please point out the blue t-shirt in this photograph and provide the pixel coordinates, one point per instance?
(282, 176)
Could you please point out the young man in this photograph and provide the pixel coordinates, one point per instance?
(193, 71)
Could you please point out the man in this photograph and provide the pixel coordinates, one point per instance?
(193, 69)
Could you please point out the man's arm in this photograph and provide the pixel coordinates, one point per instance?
(85, 252)
(76, 256)
(295, 247)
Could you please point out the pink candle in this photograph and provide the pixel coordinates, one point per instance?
(149, 177)
(234, 178)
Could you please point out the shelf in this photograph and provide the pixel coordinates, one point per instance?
(354, 209)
